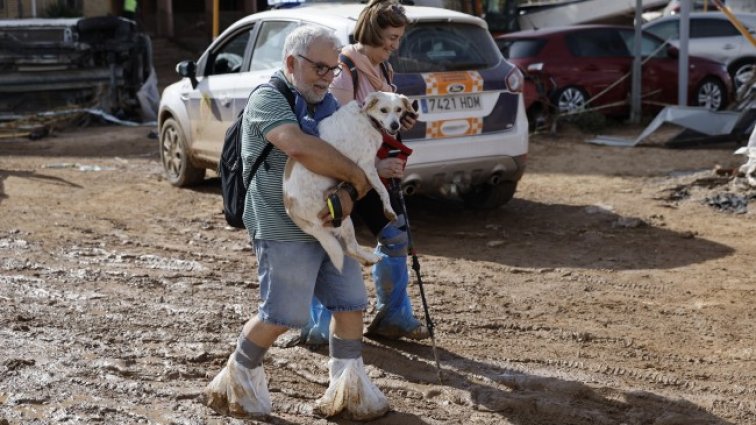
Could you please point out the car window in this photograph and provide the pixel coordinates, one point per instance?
(668, 30)
(430, 47)
(597, 43)
(268, 50)
(703, 27)
(523, 48)
(228, 58)
(650, 45)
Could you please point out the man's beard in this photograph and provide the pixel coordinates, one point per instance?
(307, 92)
(310, 96)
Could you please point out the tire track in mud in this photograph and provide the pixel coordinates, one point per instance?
(472, 330)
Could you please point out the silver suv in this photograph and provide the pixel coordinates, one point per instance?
(714, 37)
(471, 139)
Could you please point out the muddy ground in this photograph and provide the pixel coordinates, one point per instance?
(607, 292)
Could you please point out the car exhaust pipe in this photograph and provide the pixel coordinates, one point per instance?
(410, 188)
(495, 179)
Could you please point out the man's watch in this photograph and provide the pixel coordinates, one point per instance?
(353, 195)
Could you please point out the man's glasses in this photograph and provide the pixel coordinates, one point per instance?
(322, 69)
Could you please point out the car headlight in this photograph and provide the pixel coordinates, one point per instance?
(514, 80)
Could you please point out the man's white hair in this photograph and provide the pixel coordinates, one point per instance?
(299, 40)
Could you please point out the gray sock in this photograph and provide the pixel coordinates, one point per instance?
(249, 354)
(344, 348)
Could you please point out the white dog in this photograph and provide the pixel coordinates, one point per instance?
(353, 131)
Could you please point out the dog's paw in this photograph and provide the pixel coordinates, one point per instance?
(390, 214)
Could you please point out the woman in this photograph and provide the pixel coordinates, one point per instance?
(378, 32)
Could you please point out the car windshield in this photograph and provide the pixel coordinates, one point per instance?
(430, 47)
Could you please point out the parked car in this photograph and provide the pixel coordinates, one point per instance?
(714, 37)
(588, 61)
(675, 6)
(100, 61)
(471, 138)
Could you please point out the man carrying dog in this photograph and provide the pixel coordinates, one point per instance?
(292, 265)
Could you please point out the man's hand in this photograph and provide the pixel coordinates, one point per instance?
(346, 204)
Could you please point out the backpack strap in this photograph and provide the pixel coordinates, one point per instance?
(282, 87)
(346, 60)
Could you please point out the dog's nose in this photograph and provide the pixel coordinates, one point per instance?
(394, 126)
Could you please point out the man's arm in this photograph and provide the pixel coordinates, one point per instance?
(318, 156)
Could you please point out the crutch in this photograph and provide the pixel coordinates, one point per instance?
(396, 187)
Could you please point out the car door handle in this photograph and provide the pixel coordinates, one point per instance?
(728, 46)
(185, 97)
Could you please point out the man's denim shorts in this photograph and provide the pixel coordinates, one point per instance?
(291, 272)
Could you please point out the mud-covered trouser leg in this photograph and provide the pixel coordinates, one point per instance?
(391, 276)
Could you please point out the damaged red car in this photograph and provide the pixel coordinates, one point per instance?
(589, 66)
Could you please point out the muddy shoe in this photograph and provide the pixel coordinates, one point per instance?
(239, 392)
(351, 391)
(395, 332)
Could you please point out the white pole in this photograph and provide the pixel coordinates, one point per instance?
(34, 8)
(682, 87)
(635, 93)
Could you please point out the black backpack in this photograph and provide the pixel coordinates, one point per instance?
(230, 170)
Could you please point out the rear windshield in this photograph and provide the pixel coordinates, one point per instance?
(524, 48)
(430, 47)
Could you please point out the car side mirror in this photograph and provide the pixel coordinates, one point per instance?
(188, 69)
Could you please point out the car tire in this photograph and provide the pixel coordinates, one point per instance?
(570, 99)
(174, 155)
(488, 196)
(742, 71)
(711, 94)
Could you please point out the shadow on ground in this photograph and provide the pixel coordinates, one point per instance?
(524, 399)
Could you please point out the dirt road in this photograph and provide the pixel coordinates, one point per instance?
(607, 292)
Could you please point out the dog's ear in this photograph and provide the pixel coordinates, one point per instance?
(370, 101)
(409, 106)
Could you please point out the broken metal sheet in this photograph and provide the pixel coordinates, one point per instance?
(678, 124)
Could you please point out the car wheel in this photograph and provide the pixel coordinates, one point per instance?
(174, 154)
(488, 196)
(570, 99)
(742, 73)
(711, 94)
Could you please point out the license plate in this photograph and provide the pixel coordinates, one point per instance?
(456, 103)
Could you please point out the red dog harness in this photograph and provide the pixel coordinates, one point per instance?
(394, 148)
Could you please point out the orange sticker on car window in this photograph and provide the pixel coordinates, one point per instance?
(441, 83)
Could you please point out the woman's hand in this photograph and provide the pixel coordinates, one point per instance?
(408, 121)
(390, 168)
